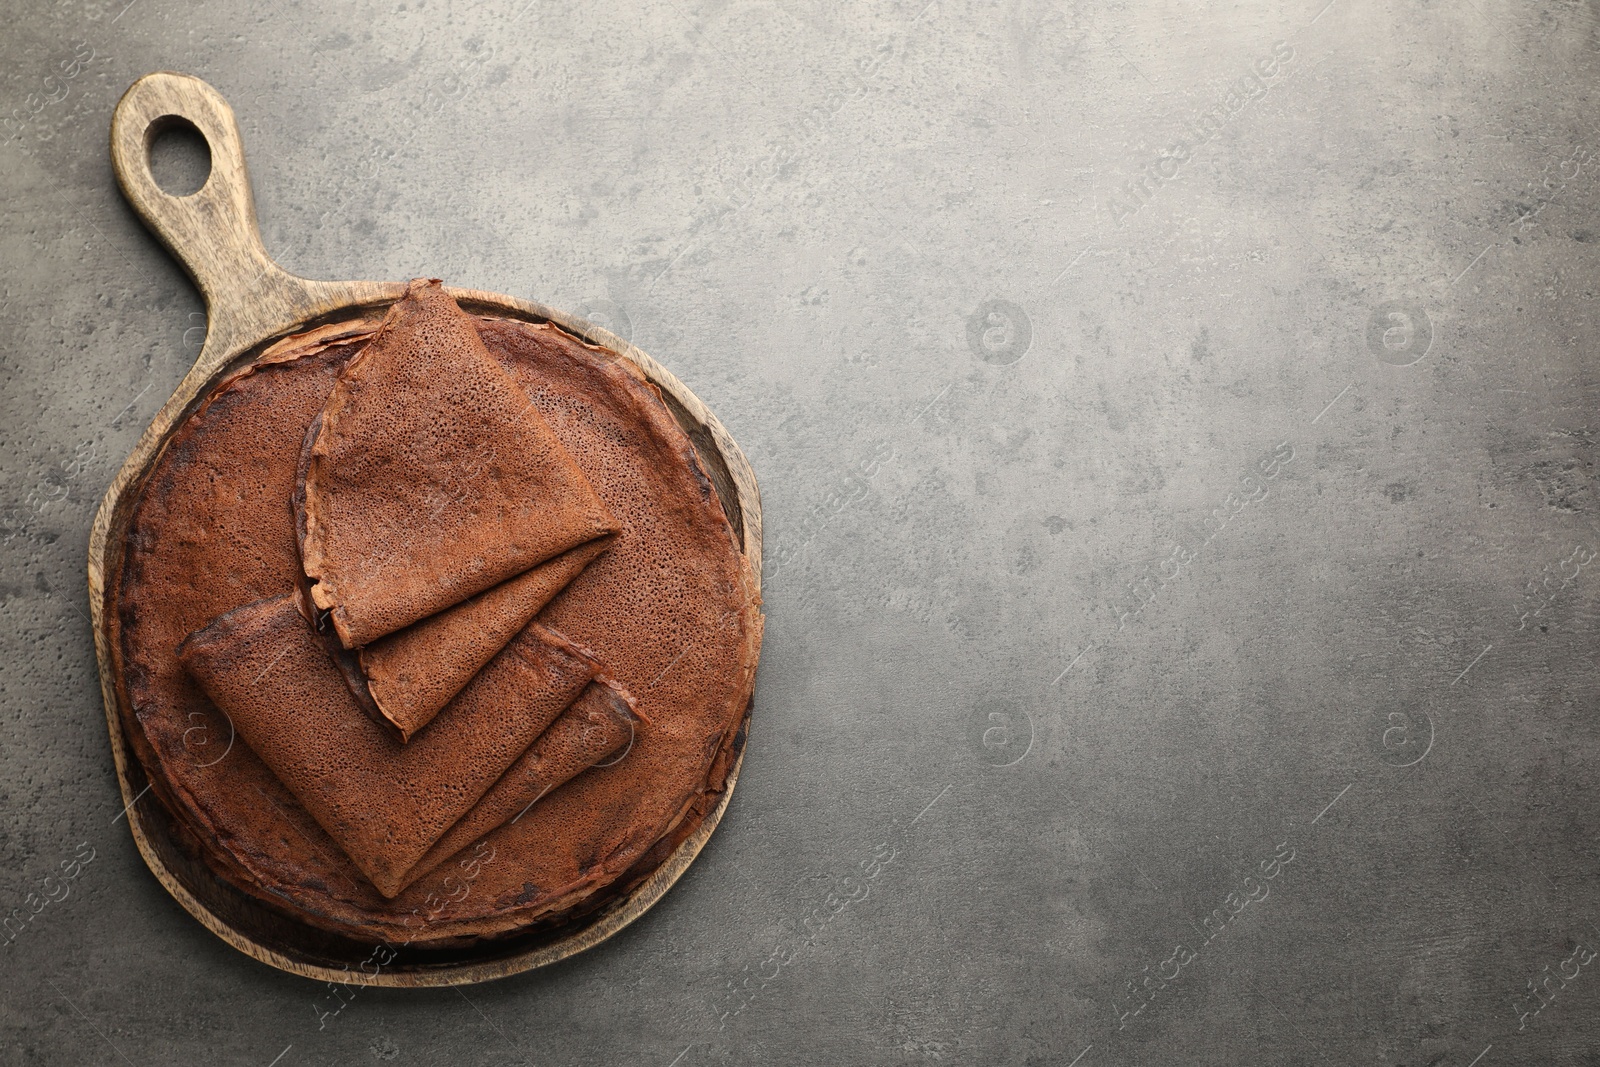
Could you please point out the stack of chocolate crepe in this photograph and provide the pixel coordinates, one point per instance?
(405, 692)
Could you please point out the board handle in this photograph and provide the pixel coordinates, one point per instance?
(212, 232)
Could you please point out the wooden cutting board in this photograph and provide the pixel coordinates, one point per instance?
(250, 303)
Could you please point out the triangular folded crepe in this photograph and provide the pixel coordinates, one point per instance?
(384, 802)
(432, 477)
(598, 728)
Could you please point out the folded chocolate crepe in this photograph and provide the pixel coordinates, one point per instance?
(431, 477)
(438, 481)
(384, 802)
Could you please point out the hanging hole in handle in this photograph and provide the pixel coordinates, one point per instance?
(180, 156)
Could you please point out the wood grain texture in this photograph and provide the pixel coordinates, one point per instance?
(250, 303)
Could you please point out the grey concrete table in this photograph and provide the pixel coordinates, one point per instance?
(1177, 431)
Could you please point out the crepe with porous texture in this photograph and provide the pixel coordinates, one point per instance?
(386, 803)
(432, 476)
(671, 609)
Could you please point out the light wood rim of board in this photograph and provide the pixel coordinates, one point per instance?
(250, 302)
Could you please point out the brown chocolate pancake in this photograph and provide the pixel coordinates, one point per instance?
(385, 802)
(432, 477)
(670, 609)
(402, 680)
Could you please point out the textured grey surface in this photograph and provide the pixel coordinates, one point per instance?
(840, 226)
